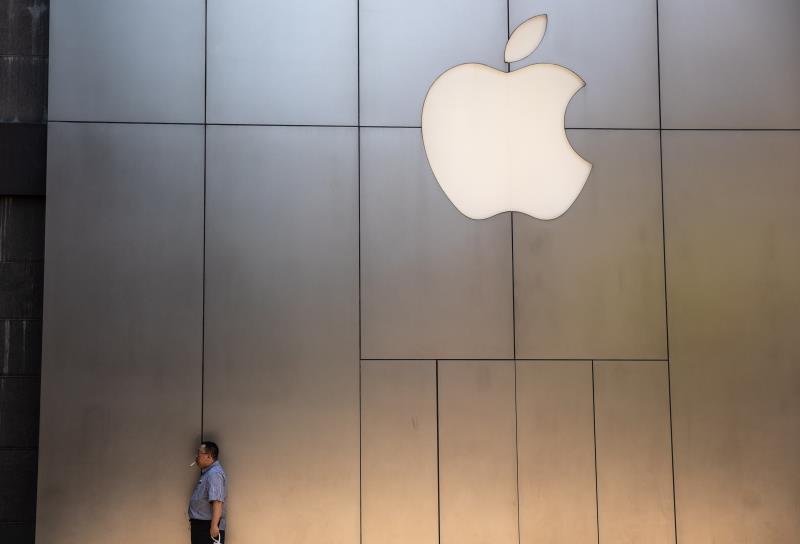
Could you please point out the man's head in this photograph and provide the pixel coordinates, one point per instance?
(207, 453)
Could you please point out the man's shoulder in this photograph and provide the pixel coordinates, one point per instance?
(216, 468)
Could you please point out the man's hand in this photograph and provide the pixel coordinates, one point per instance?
(216, 515)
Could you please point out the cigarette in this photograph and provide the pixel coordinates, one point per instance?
(193, 463)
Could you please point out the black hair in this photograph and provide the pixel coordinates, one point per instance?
(211, 448)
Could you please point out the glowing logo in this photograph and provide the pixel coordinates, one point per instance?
(496, 141)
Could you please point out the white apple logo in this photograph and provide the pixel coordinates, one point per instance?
(496, 140)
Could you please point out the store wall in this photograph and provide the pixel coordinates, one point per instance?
(245, 243)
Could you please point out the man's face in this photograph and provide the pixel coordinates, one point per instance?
(203, 459)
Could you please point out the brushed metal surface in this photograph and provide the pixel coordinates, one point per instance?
(399, 473)
(434, 283)
(283, 62)
(634, 458)
(612, 47)
(730, 64)
(477, 452)
(281, 329)
(120, 409)
(733, 264)
(405, 46)
(590, 284)
(555, 426)
(113, 60)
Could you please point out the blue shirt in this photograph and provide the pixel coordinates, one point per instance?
(210, 487)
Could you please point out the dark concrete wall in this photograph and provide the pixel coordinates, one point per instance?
(23, 144)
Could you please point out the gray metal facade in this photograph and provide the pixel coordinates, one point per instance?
(245, 243)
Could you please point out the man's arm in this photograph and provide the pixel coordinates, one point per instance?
(216, 496)
(216, 514)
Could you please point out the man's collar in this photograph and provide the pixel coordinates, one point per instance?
(212, 465)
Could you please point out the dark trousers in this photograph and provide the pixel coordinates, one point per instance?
(201, 531)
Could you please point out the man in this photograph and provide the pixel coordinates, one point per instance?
(207, 505)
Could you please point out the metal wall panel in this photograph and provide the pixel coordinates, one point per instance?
(634, 456)
(405, 46)
(733, 263)
(279, 62)
(477, 453)
(434, 283)
(122, 332)
(590, 284)
(730, 63)
(281, 360)
(399, 472)
(555, 422)
(115, 60)
(612, 47)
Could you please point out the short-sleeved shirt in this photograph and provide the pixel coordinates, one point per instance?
(211, 486)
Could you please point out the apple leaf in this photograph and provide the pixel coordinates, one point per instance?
(525, 38)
